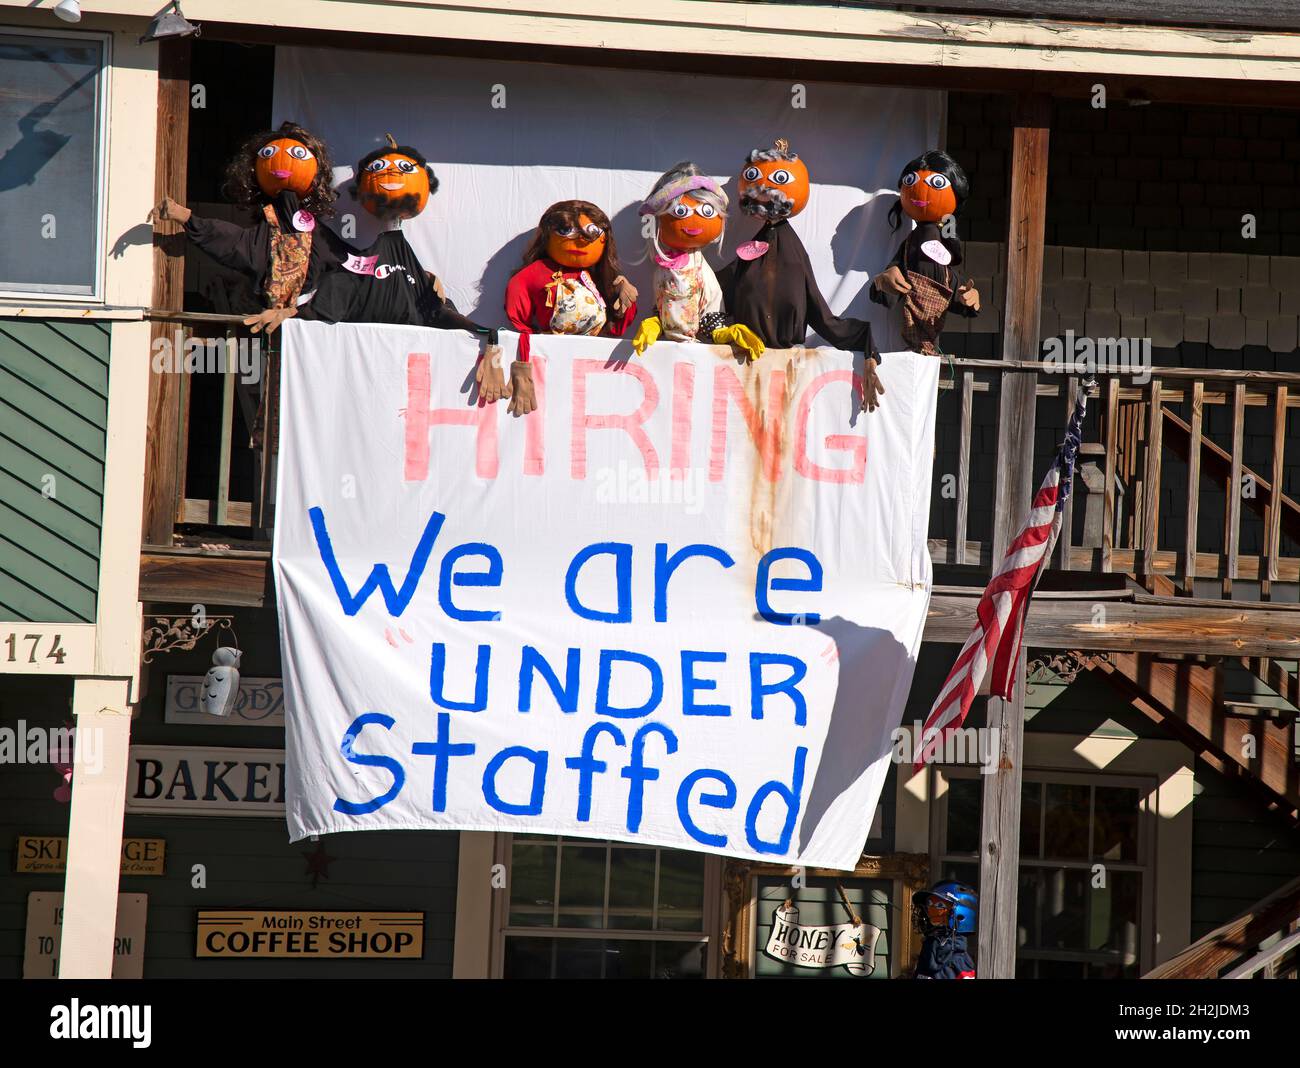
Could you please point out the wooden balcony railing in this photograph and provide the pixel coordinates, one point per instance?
(1151, 497)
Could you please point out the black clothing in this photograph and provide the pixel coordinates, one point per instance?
(777, 295)
(910, 257)
(394, 289)
(247, 249)
(944, 956)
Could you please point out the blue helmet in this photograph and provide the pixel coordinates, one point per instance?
(961, 901)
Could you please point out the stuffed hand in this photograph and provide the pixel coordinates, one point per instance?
(522, 398)
(647, 334)
(170, 211)
(968, 295)
(739, 337)
(625, 294)
(269, 320)
(491, 376)
(891, 280)
(872, 387)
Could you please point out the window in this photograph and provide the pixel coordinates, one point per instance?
(582, 909)
(51, 159)
(1085, 871)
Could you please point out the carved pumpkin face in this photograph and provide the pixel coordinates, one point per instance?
(689, 224)
(927, 196)
(774, 189)
(578, 246)
(285, 164)
(393, 186)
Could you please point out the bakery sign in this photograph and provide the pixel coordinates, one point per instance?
(851, 945)
(282, 933)
(183, 780)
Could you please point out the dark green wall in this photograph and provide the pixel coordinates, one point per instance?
(53, 421)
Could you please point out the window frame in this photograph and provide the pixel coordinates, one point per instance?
(709, 936)
(103, 104)
(1146, 864)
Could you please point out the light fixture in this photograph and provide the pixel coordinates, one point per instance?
(170, 22)
(68, 10)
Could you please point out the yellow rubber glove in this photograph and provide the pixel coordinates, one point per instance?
(647, 334)
(739, 336)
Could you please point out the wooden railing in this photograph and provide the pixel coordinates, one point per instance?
(1152, 477)
(1154, 472)
(226, 469)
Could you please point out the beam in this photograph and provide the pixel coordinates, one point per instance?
(163, 473)
(191, 576)
(1000, 815)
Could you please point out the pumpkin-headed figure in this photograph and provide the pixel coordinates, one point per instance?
(394, 182)
(689, 210)
(285, 176)
(770, 285)
(571, 281)
(932, 190)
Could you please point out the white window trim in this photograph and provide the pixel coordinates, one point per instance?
(103, 104)
(711, 918)
(1169, 762)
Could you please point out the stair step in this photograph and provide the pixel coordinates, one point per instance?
(1255, 710)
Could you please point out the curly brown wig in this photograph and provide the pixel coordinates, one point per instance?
(566, 213)
(241, 179)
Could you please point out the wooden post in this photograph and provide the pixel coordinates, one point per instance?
(1000, 819)
(165, 450)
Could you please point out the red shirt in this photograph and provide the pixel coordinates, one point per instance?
(526, 307)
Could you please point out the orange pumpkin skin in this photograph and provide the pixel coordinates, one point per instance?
(694, 230)
(927, 196)
(285, 164)
(394, 186)
(576, 250)
(789, 176)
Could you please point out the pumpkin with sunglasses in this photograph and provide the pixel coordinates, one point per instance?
(571, 281)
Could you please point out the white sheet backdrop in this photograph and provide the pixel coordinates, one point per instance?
(605, 136)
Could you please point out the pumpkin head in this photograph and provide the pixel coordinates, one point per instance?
(774, 183)
(930, 188)
(394, 182)
(927, 196)
(690, 223)
(285, 163)
(579, 243)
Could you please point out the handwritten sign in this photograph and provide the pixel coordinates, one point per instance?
(679, 604)
(280, 933)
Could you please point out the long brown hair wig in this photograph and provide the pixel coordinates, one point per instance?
(241, 178)
(567, 213)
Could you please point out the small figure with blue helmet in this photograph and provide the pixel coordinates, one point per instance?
(945, 915)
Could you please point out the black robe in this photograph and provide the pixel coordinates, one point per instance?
(247, 249)
(777, 296)
(910, 257)
(396, 290)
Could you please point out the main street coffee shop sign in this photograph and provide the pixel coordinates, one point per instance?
(679, 604)
(227, 933)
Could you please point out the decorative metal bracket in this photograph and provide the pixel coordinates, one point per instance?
(1065, 664)
(166, 634)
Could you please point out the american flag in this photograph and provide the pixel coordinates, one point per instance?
(1000, 615)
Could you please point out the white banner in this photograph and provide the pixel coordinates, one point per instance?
(679, 604)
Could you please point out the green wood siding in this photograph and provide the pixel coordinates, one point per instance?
(53, 424)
